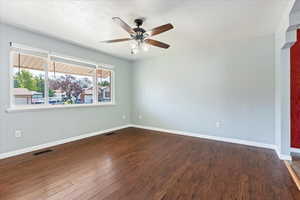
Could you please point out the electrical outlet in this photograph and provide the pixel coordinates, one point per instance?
(123, 116)
(218, 124)
(18, 133)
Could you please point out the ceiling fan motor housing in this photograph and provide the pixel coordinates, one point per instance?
(138, 22)
(139, 31)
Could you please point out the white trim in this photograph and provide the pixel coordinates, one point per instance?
(95, 87)
(210, 137)
(55, 143)
(58, 55)
(223, 139)
(46, 105)
(112, 87)
(29, 48)
(282, 156)
(71, 58)
(106, 66)
(295, 150)
(46, 81)
(217, 138)
(80, 60)
(11, 80)
(14, 109)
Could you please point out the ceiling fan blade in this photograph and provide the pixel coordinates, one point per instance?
(160, 29)
(124, 25)
(157, 43)
(117, 40)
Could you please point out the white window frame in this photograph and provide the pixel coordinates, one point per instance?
(112, 82)
(17, 48)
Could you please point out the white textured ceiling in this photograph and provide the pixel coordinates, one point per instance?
(86, 22)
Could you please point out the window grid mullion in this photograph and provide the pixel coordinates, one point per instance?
(46, 86)
(11, 79)
(95, 95)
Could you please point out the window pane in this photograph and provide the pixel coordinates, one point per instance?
(104, 80)
(70, 84)
(29, 79)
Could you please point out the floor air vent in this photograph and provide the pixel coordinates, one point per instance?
(42, 152)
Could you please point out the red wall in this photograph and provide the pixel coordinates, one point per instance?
(295, 93)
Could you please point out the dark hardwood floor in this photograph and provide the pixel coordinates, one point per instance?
(296, 164)
(136, 164)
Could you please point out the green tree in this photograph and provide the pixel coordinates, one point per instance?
(24, 79)
(69, 85)
(51, 93)
(103, 84)
(39, 83)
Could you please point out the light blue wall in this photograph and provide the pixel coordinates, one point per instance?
(189, 90)
(192, 89)
(44, 126)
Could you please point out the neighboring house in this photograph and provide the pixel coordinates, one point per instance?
(24, 96)
(104, 93)
(87, 95)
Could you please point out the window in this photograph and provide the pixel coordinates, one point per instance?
(70, 84)
(54, 80)
(28, 79)
(104, 78)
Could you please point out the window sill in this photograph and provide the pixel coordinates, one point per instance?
(53, 107)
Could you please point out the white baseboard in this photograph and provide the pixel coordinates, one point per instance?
(217, 138)
(210, 137)
(58, 142)
(282, 156)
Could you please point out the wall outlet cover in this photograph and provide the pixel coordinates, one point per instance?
(18, 133)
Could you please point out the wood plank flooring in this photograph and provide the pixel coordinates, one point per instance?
(136, 164)
(296, 163)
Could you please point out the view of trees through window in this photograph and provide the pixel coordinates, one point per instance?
(70, 84)
(104, 85)
(29, 79)
(67, 83)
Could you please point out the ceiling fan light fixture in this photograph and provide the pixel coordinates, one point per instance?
(138, 45)
(133, 44)
(145, 46)
(134, 47)
(134, 50)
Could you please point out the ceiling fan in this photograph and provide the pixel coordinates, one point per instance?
(139, 36)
